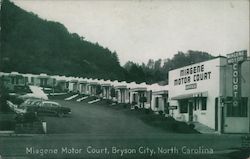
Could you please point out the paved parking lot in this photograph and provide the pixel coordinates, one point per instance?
(93, 128)
(96, 119)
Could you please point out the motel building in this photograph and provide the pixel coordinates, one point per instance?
(159, 99)
(106, 88)
(92, 86)
(139, 95)
(214, 93)
(73, 85)
(13, 80)
(60, 83)
(122, 93)
(83, 85)
(44, 80)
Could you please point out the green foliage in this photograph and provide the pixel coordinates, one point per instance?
(30, 44)
(4, 96)
(33, 45)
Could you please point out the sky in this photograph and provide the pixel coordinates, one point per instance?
(141, 30)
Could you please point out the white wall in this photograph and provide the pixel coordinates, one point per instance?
(210, 85)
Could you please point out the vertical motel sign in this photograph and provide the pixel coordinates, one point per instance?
(235, 59)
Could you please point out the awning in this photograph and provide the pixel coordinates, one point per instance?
(191, 95)
(138, 89)
(160, 92)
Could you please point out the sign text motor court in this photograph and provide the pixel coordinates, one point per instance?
(192, 74)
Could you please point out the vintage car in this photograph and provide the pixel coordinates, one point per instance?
(39, 106)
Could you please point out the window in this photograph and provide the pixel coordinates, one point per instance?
(203, 103)
(54, 105)
(183, 104)
(46, 104)
(239, 111)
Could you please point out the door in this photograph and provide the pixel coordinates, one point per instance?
(190, 111)
(216, 114)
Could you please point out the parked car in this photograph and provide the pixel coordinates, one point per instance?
(45, 107)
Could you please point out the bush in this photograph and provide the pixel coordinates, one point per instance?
(160, 112)
(109, 101)
(191, 126)
(29, 117)
(134, 103)
(4, 107)
(148, 111)
(125, 105)
(7, 125)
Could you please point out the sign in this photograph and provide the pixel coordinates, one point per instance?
(192, 74)
(235, 59)
(172, 107)
(191, 86)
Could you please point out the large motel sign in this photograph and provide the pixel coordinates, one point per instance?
(235, 59)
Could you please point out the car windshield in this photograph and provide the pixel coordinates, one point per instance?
(36, 103)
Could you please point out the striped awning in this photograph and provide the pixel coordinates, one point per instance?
(191, 95)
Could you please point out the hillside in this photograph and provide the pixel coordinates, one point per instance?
(30, 44)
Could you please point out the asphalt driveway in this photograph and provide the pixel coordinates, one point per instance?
(96, 119)
(94, 131)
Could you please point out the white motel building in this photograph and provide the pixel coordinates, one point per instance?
(204, 93)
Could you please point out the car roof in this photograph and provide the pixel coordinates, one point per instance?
(51, 102)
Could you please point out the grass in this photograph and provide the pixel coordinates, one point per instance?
(167, 124)
(7, 121)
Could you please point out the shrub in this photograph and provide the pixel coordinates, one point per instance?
(7, 125)
(160, 112)
(134, 103)
(3, 103)
(191, 126)
(148, 111)
(109, 101)
(29, 117)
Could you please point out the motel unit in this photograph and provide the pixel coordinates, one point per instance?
(159, 98)
(106, 89)
(139, 95)
(122, 92)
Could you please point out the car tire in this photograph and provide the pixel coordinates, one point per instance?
(60, 114)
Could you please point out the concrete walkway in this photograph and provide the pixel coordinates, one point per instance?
(203, 128)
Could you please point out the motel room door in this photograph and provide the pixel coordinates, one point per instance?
(190, 110)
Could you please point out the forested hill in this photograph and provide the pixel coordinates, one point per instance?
(30, 44)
